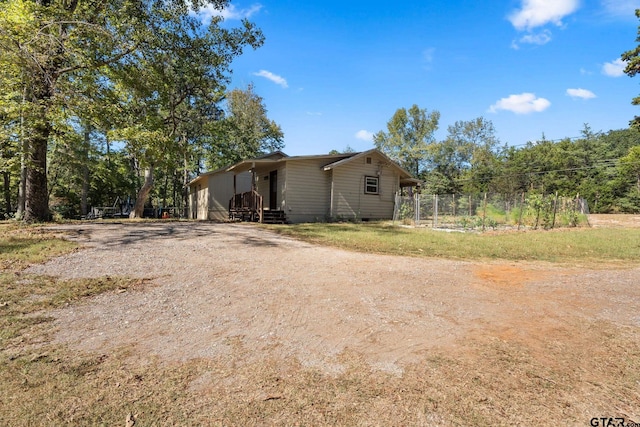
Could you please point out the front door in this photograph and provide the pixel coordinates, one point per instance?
(273, 190)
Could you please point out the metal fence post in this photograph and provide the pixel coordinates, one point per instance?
(521, 210)
(555, 210)
(484, 211)
(435, 211)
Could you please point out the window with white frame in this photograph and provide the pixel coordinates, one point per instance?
(371, 184)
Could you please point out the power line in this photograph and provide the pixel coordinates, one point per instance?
(570, 138)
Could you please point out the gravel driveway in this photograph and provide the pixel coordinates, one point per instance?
(219, 285)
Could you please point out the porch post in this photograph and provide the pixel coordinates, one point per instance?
(253, 177)
(331, 201)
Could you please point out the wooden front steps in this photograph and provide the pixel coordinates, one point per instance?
(249, 207)
(274, 217)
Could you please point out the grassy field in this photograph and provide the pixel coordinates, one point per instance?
(571, 245)
(48, 384)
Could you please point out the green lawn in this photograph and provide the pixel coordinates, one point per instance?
(569, 245)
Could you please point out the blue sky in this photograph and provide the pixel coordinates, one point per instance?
(332, 73)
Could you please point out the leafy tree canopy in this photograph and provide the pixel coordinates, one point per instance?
(159, 61)
(632, 58)
(409, 136)
(245, 131)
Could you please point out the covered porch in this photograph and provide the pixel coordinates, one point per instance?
(264, 202)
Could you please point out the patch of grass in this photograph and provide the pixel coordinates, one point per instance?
(21, 245)
(54, 386)
(563, 246)
(24, 298)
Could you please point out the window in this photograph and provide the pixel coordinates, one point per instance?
(368, 160)
(371, 184)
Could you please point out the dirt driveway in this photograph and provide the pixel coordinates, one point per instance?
(218, 286)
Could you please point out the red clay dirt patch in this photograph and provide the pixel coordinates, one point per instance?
(505, 276)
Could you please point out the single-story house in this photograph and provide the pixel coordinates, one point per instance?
(301, 188)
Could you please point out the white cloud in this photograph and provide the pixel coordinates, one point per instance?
(523, 103)
(536, 13)
(364, 135)
(614, 68)
(622, 8)
(540, 38)
(229, 13)
(581, 93)
(273, 77)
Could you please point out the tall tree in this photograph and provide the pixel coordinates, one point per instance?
(245, 131)
(54, 42)
(49, 41)
(409, 137)
(629, 170)
(466, 156)
(632, 58)
(9, 139)
(629, 167)
(172, 89)
(8, 151)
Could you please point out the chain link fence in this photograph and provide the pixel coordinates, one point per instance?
(491, 211)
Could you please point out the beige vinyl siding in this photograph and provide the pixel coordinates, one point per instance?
(262, 185)
(349, 198)
(198, 200)
(220, 192)
(243, 182)
(307, 191)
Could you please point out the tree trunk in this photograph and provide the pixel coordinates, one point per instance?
(36, 207)
(22, 186)
(84, 208)
(6, 177)
(174, 188)
(143, 194)
(165, 187)
(185, 183)
(39, 95)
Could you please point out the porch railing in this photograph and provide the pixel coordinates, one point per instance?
(246, 207)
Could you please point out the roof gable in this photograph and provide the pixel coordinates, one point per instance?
(375, 151)
(275, 155)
